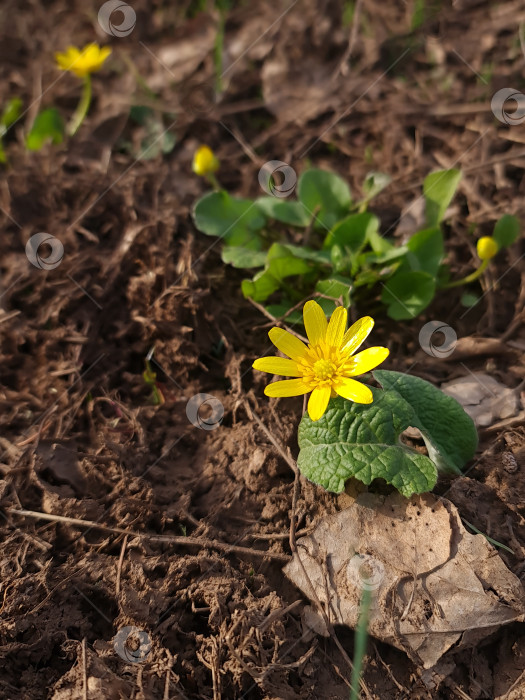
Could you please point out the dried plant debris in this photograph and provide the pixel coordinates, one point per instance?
(484, 398)
(436, 586)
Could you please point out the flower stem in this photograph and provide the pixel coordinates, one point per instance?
(469, 278)
(213, 181)
(82, 109)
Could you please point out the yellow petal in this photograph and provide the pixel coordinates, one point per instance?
(65, 59)
(365, 361)
(355, 391)
(91, 52)
(277, 365)
(287, 343)
(314, 322)
(357, 334)
(287, 387)
(105, 51)
(336, 327)
(318, 401)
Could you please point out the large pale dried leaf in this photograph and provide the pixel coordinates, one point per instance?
(190, 46)
(435, 584)
(298, 93)
(484, 398)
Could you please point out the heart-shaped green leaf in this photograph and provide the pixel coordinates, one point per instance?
(439, 188)
(292, 213)
(425, 252)
(352, 231)
(48, 126)
(280, 263)
(449, 433)
(506, 230)
(235, 220)
(243, 257)
(408, 293)
(362, 441)
(325, 194)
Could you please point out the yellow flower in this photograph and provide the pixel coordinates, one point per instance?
(326, 366)
(205, 161)
(487, 248)
(84, 61)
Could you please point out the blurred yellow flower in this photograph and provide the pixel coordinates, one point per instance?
(487, 248)
(326, 366)
(205, 162)
(84, 61)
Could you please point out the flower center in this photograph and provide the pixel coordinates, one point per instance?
(324, 369)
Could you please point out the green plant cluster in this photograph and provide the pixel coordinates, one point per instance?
(326, 243)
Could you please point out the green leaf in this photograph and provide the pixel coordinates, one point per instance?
(292, 213)
(391, 255)
(10, 114)
(325, 194)
(335, 288)
(352, 232)
(363, 440)
(375, 183)
(235, 220)
(425, 252)
(318, 256)
(48, 126)
(260, 286)
(279, 310)
(243, 257)
(157, 139)
(140, 114)
(280, 263)
(439, 189)
(448, 431)
(408, 293)
(506, 230)
(379, 245)
(469, 299)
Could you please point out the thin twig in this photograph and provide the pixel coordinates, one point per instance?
(343, 67)
(172, 539)
(278, 321)
(119, 565)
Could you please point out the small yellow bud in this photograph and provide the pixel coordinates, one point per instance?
(205, 162)
(487, 248)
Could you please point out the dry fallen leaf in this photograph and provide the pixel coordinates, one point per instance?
(484, 398)
(434, 584)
